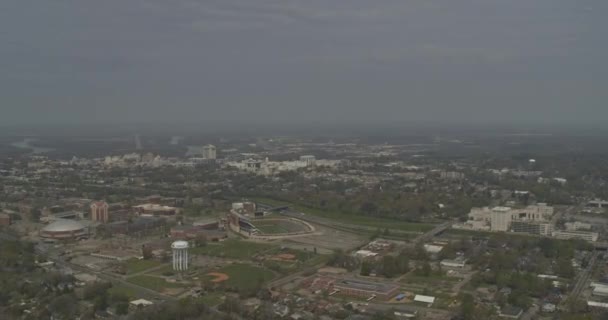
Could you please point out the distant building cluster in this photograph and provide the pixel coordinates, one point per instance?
(533, 219)
(266, 167)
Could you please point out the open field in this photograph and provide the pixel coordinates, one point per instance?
(232, 249)
(354, 219)
(154, 283)
(121, 289)
(136, 265)
(212, 299)
(243, 276)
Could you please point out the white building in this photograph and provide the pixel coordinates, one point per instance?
(531, 219)
(309, 160)
(577, 225)
(180, 255)
(209, 152)
(500, 219)
(585, 235)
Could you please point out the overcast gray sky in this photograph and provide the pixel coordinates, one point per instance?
(309, 60)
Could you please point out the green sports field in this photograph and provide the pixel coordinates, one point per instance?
(244, 276)
(232, 249)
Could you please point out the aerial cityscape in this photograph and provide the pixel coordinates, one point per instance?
(304, 160)
(424, 225)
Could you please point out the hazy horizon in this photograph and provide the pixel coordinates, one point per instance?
(312, 62)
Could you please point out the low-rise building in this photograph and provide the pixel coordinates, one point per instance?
(584, 235)
(353, 287)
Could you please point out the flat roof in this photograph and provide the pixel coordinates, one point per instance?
(425, 299)
(366, 285)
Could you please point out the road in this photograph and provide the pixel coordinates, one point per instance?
(432, 233)
(583, 277)
(347, 227)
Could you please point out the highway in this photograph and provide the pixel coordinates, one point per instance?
(342, 226)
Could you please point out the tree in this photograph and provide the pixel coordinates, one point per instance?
(467, 307)
(64, 306)
(403, 263)
(390, 268)
(122, 308)
(96, 289)
(368, 208)
(147, 252)
(200, 240)
(366, 268)
(424, 269)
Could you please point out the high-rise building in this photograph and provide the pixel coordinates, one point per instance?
(99, 211)
(209, 152)
(500, 219)
(309, 160)
(180, 255)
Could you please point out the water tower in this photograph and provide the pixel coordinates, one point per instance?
(180, 255)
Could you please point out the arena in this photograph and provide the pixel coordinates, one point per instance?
(275, 226)
(64, 230)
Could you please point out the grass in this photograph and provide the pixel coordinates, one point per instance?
(154, 283)
(212, 299)
(233, 249)
(381, 223)
(244, 276)
(162, 270)
(136, 265)
(270, 228)
(121, 289)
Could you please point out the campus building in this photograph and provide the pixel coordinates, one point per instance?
(353, 287)
(64, 230)
(99, 211)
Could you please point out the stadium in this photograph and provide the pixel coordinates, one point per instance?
(64, 229)
(268, 227)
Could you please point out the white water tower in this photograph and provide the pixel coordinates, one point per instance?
(180, 255)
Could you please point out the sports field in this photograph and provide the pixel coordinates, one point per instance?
(136, 265)
(232, 249)
(278, 226)
(242, 275)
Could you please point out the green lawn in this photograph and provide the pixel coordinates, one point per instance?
(355, 219)
(154, 283)
(244, 276)
(270, 227)
(232, 248)
(121, 289)
(160, 271)
(212, 299)
(136, 265)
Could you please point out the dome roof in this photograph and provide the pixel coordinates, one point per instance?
(64, 225)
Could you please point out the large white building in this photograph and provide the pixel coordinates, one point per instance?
(209, 152)
(500, 219)
(531, 219)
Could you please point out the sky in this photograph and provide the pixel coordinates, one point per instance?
(300, 61)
